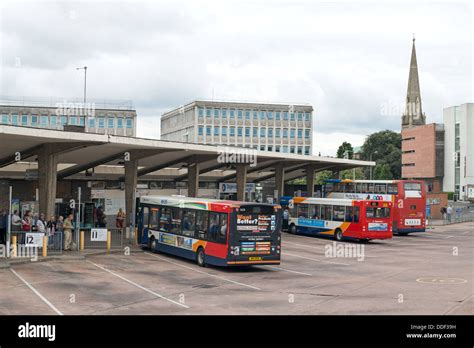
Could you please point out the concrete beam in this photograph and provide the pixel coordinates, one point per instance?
(47, 179)
(280, 179)
(202, 171)
(241, 171)
(186, 159)
(81, 167)
(250, 170)
(131, 179)
(287, 170)
(310, 169)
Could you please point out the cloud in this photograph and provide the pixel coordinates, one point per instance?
(349, 60)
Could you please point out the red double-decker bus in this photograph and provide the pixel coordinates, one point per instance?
(408, 198)
(221, 233)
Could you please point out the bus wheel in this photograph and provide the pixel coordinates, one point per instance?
(292, 229)
(338, 235)
(200, 255)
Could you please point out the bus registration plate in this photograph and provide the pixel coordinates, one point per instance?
(412, 222)
(255, 258)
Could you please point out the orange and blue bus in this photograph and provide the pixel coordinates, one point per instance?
(408, 198)
(214, 232)
(362, 220)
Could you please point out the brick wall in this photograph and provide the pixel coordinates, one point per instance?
(419, 152)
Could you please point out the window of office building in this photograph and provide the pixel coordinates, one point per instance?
(5, 119)
(262, 147)
(285, 116)
(224, 131)
(232, 114)
(300, 133)
(200, 130)
(120, 122)
(208, 130)
(262, 132)
(284, 149)
(110, 122)
(285, 133)
(63, 120)
(278, 115)
(224, 114)
(247, 131)
(54, 121)
(14, 119)
(292, 149)
(24, 120)
(240, 114)
(300, 116)
(277, 132)
(270, 132)
(306, 133)
(239, 131)
(129, 123)
(34, 120)
(255, 115)
(306, 150)
(292, 133)
(44, 120)
(216, 131)
(300, 150)
(200, 112)
(73, 121)
(270, 148)
(292, 116)
(232, 131)
(270, 115)
(277, 148)
(208, 112)
(101, 122)
(255, 131)
(216, 112)
(307, 116)
(262, 115)
(91, 122)
(247, 114)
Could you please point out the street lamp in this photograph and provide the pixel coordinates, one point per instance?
(375, 152)
(85, 82)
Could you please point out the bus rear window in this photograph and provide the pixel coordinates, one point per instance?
(372, 212)
(412, 186)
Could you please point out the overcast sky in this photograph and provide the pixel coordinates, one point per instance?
(349, 60)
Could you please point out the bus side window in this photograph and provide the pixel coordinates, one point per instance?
(165, 219)
(315, 211)
(189, 223)
(154, 219)
(145, 217)
(176, 220)
(338, 213)
(302, 210)
(202, 223)
(392, 189)
(356, 213)
(349, 214)
(217, 228)
(326, 212)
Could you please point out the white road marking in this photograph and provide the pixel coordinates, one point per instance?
(44, 299)
(312, 259)
(287, 270)
(138, 285)
(202, 272)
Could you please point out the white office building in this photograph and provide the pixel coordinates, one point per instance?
(459, 149)
(274, 127)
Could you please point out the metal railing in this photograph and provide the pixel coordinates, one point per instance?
(52, 102)
(55, 241)
(117, 236)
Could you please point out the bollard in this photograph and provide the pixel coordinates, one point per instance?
(13, 254)
(109, 240)
(81, 241)
(45, 246)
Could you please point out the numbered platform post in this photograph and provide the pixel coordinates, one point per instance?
(45, 246)
(81, 241)
(109, 241)
(13, 254)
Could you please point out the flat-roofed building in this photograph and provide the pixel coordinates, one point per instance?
(273, 127)
(103, 117)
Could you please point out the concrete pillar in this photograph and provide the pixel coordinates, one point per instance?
(47, 179)
(280, 180)
(241, 172)
(131, 178)
(310, 180)
(193, 179)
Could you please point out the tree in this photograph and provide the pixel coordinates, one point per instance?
(349, 174)
(345, 148)
(322, 175)
(384, 148)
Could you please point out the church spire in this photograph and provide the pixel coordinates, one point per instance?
(413, 115)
